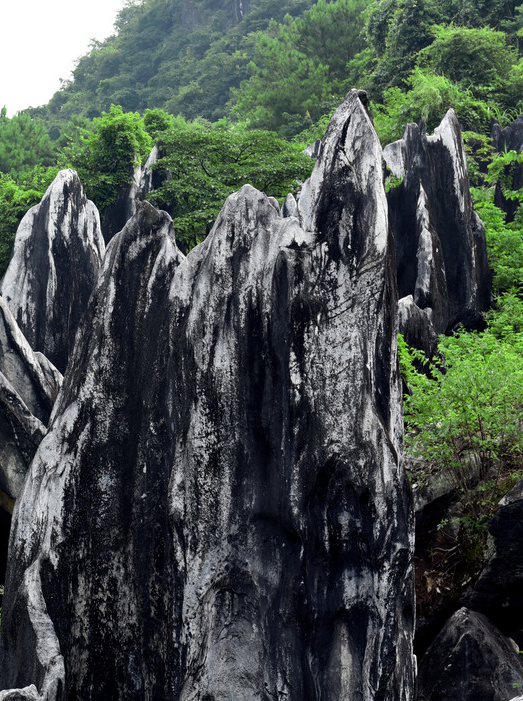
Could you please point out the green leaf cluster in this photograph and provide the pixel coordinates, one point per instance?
(299, 70)
(24, 143)
(467, 421)
(106, 155)
(207, 163)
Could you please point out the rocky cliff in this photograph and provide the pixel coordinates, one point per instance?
(219, 509)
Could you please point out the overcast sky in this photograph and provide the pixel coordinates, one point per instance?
(40, 41)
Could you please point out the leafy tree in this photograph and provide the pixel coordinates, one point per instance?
(107, 156)
(208, 163)
(300, 67)
(467, 421)
(156, 121)
(478, 59)
(429, 97)
(399, 30)
(504, 240)
(24, 143)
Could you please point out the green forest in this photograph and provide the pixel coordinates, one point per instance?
(235, 91)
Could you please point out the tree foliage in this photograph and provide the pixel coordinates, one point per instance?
(205, 164)
(300, 67)
(24, 143)
(106, 155)
(171, 54)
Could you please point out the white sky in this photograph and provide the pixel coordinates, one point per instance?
(40, 41)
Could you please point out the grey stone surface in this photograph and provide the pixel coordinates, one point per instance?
(29, 384)
(469, 661)
(498, 591)
(440, 241)
(416, 327)
(219, 509)
(57, 253)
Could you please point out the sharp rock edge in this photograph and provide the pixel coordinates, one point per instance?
(57, 254)
(146, 178)
(468, 661)
(219, 510)
(29, 384)
(440, 241)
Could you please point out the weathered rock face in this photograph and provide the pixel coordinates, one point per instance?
(416, 326)
(509, 139)
(29, 385)
(146, 178)
(469, 660)
(57, 253)
(440, 241)
(499, 590)
(219, 510)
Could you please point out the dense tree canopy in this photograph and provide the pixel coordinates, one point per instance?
(24, 143)
(300, 67)
(206, 164)
(106, 155)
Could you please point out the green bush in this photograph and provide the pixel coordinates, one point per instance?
(106, 155)
(467, 422)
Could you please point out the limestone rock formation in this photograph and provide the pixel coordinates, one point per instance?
(469, 660)
(499, 590)
(416, 326)
(219, 509)
(57, 253)
(440, 241)
(509, 139)
(29, 385)
(145, 179)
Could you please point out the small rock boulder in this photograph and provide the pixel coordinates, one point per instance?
(470, 660)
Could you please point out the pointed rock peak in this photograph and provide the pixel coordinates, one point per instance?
(440, 243)
(509, 138)
(65, 178)
(469, 660)
(240, 217)
(147, 226)
(57, 253)
(227, 446)
(347, 180)
(148, 220)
